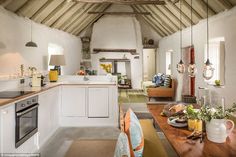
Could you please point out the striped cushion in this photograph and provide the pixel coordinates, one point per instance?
(167, 81)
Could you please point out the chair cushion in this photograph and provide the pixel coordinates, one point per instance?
(135, 135)
(167, 82)
(122, 146)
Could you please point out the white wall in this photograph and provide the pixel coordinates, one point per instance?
(221, 25)
(120, 32)
(15, 32)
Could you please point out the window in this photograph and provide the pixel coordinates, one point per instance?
(54, 49)
(217, 58)
(168, 62)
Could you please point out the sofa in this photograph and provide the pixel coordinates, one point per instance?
(162, 92)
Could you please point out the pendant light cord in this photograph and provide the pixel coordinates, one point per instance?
(191, 23)
(31, 30)
(180, 26)
(207, 31)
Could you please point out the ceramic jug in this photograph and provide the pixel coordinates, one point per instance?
(217, 130)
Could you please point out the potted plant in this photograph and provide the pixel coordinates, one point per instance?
(216, 122)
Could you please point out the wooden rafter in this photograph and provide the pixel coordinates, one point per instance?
(75, 17)
(86, 25)
(129, 2)
(155, 21)
(119, 13)
(161, 20)
(82, 17)
(89, 18)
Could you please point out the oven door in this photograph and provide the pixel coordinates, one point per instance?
(26, 124)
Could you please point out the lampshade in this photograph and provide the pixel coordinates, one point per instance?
(57, 60)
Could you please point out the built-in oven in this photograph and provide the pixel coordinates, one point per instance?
(26, 120)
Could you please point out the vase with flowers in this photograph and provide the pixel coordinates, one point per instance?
(218, 127)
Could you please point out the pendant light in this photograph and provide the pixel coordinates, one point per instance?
(192, 69)
(31, 43)
(180, 65)
(208, 70)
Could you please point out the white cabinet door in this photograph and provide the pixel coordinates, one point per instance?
(44, 117)
(48, 114)
(98, 101)
(8, 129)
(73, 101)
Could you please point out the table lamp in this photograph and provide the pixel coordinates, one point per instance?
(57, 61)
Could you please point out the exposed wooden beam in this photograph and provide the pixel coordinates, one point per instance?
(201, 7)
(164, 16)
(153, 23)
(129, 2)
(158, 31)
(83, 16)
(70, 21)
(155, 20)
(224, 3)
(5, 3)
(195, 13)
(119, 13)
(176, 10)
(89, 19)
(41, 9)
(161, 20)
(171, 15)
(66, 15)
(132, 51)
(86, 25)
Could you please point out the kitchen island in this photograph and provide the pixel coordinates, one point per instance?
(71, 102)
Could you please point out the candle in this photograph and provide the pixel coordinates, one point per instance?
(223, 105)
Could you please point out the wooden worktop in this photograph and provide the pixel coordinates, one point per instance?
(191, 148)
(37, 90)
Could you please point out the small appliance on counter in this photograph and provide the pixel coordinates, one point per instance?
(37, 80)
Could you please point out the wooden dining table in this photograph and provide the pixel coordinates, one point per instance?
(184, 147)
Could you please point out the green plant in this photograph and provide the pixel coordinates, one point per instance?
(192, 113)
(207, 113)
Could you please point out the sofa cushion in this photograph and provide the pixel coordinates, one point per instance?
(159, 79)
(167, 82)
(122, 146)
(135, 135)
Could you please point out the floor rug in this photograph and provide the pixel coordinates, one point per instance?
(92, 148)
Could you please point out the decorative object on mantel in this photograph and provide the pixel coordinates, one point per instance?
(132, 51)
(216, 125)
(85, 47)
(180, 65)
(208, 70)
(192, 69)
(31, 43)
(106, 67)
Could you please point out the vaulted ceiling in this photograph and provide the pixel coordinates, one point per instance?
(74, 16)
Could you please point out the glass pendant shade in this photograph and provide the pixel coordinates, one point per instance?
(181, 67)
(192, 69)
(208, 70)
